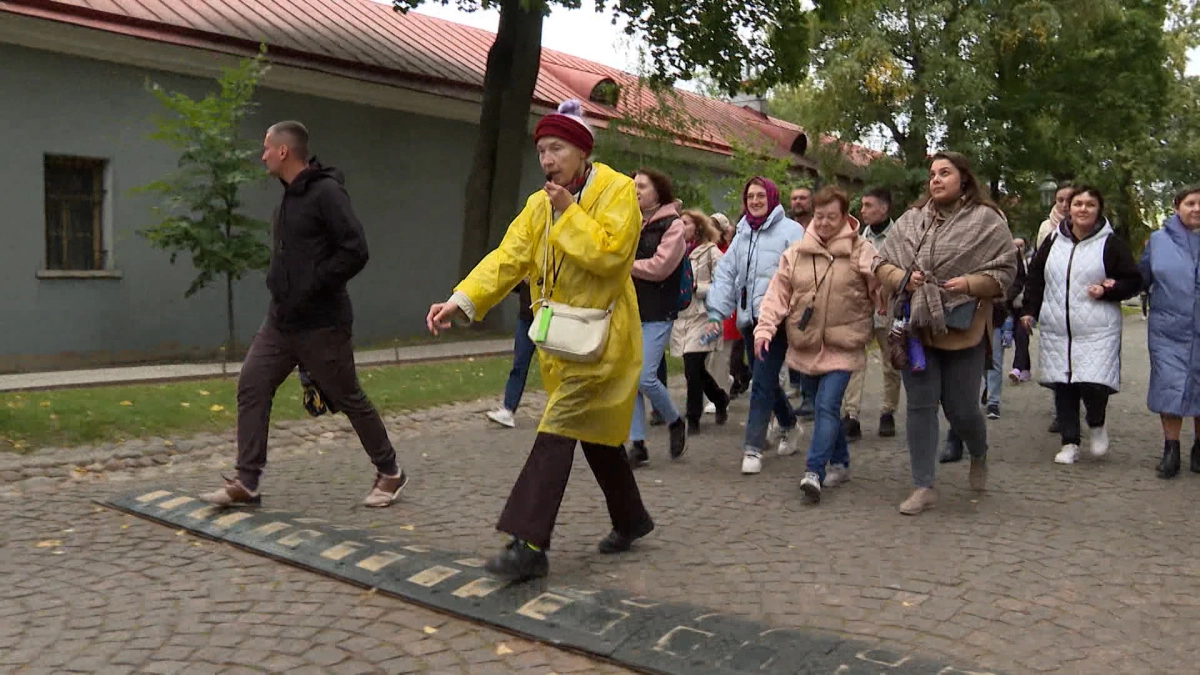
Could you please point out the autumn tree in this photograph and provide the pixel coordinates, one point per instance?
(1028, 88)
(751, 44)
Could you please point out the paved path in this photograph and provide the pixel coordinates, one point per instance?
(157, 373)
(1083, 569)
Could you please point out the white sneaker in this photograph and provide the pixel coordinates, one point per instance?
(810, 485)
(785, 447)
(503, 417)
(751, 463)
(710, 409)
(836, 475)
(1067, 455)
(1099, 441)
(773, 432)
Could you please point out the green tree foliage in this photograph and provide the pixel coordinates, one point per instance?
(1072, 89)
(757, 160)
(646, 137)
(200, 201)
(748, 45)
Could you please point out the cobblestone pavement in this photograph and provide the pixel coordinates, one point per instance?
(1081, 569)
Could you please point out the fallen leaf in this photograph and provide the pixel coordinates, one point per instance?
(185, 404)
(216, 408)
(125, 526)
(180, 533)
(53, 416)
(503, 650)
(203, 393)
(69, 530)
(409, 528)
(49, 543)
(126, 403)
(430, 630)
(58, 552)
(44, 404)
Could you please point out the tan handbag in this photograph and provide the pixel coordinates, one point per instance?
(577, 334)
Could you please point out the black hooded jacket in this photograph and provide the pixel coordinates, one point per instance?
(317, 246)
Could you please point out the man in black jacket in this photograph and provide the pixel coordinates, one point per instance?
(318, 246)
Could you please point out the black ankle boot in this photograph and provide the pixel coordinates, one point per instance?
(638, 454)
(678, 438)
(519, 562)
(693, 425)
(1196, 456)
(723, 410)
(1169, 466)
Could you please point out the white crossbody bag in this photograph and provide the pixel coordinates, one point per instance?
(576, 334)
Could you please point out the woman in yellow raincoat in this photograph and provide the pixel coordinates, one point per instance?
(593, 222)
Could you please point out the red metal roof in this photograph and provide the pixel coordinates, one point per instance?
(368, 39)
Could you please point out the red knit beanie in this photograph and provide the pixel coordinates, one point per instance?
(568, 125)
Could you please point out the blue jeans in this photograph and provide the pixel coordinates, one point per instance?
(655, 335)
(766, 396)
(523, 349)
(995, 374)
(828, 444)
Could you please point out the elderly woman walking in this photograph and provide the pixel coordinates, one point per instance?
(824, 296)
(1170, 269)
(576, 239)
(740, 283)
(1076, 284)
(950, 257)
(690, 333)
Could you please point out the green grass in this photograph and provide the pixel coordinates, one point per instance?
(69, 417)
(91, 415)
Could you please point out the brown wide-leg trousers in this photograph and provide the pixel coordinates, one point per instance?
(533, 503)
(328, 355)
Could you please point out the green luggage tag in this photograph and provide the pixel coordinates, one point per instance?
(541, 323)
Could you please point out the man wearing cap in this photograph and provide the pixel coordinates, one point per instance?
(575, 240)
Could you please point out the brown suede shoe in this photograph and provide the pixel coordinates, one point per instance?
(385, 490)
(922, 499)
(233, 494)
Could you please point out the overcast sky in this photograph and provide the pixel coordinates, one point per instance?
(584, 33)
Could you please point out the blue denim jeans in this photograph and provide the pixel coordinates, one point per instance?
(655, 335)
(995, 374)
(828, 443)
(523, 349)
(766, 396)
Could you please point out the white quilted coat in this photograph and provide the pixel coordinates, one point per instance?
(1080, 337)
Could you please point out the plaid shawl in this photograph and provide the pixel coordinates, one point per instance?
(972, 240)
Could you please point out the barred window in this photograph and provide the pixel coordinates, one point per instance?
(74, 213)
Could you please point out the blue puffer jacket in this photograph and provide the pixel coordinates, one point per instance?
(749, 263)
(1170, 267)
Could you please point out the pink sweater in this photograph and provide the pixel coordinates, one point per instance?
(669, 252)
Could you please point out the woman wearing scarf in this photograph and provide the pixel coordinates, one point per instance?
(950, 256)
(741, 281)
(1076, 284)
(575, 240)
(1171, 272)
(824, 295)
(687, 337)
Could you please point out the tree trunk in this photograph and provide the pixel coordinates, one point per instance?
(495, 178)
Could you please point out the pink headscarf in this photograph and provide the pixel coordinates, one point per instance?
(756, 222)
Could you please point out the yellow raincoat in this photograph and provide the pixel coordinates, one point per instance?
(590, 402)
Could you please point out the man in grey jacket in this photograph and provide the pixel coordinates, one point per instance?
(876, 226)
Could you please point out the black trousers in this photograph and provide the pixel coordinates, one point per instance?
(328, 355)
(533, 504)
(1021, 360)
(700, 384)
(738, 368)
(1067, 398)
